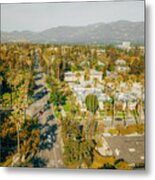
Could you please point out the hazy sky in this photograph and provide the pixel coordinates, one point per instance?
(41, 16)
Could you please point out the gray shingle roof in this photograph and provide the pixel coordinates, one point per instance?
(130, 148)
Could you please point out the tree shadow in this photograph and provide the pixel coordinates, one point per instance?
(38, 162)
(48, 136)
(47, 107)
(50, 118)
(39, 95)
(36, 87)
(37, 78)
(38, 72)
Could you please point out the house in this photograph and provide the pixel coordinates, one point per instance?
(101, 63)
(100, 51)
(74, 76)
(126, 45)
(122, 68)
(80, 76)
(121, 65)
(120, 62)
(95, 75)
(137, 89)
(130, 148)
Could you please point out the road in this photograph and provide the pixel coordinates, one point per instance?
(51, 146)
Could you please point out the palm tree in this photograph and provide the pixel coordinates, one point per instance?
(113, 109)
(124, 110)
(10, 79)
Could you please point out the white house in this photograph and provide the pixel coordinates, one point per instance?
(126, 45)
(122, 68)
(120, 62)
(95, 75)
(80, 76)
(121, 65)
(74, 76)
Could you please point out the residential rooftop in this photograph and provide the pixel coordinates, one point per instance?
(129, 148)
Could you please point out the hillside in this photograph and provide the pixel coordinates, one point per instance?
(114, 32)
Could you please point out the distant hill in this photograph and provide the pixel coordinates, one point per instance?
(114, 32)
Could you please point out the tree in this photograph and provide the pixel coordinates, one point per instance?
(57, 98)
(92, 103)
(87, 74)
(113, 108)
(92, 106)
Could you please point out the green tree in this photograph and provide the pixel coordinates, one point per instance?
(57, 97)
(92, 103)
(92, 106)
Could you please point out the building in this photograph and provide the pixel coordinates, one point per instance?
(126, 45)
(80, 76)
(129, 148)
(120, 62)
(74, 76)
(121, 66)
(95, 75)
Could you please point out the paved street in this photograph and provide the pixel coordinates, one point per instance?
(50, 147)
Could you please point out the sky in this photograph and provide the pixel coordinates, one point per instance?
(41, 16)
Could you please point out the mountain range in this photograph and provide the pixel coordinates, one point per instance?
(100, 33)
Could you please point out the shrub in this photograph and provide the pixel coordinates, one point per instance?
(122, 165)
(136, 128)
(113, 131)
(102, 162)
